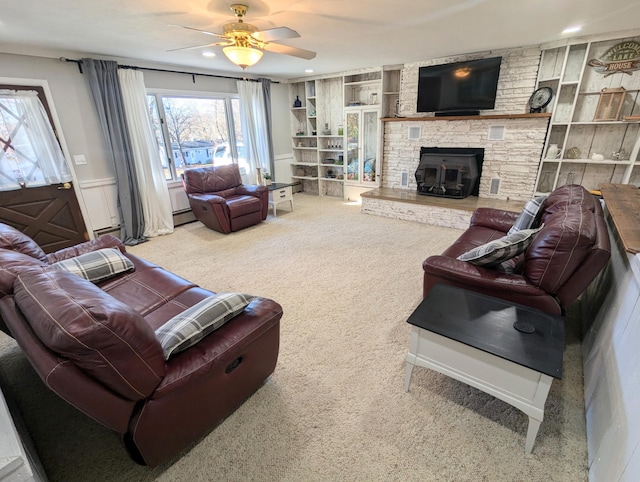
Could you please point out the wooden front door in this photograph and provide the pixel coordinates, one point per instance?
(50, 215)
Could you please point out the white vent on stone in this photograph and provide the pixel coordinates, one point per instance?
(496, 133)
(414, 133)
(495, 186)
(404, 179)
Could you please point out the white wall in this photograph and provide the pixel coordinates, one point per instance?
(281, 135)
(74, 105)
(611, 362)
(280, 113)
(81, 128)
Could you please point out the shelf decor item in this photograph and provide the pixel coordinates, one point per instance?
(573, 153)
(545, 183)
(571, 178)
(297, 102)
(553, 151)
(540, 99)
(619, 154)
(610, 104)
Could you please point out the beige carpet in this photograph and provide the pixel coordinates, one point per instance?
(335, 408)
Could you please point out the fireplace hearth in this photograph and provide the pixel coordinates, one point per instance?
(449, 172)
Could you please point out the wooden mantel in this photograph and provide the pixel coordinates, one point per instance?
(623, 203)
(544, 115)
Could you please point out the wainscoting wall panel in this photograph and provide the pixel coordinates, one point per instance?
(101, 199)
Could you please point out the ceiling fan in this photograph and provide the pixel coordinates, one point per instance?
(244, 44)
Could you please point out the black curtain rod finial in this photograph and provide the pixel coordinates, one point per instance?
(79, 62)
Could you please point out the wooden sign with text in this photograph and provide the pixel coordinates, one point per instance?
(622, 58)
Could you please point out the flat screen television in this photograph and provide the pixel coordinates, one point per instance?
(460, 88)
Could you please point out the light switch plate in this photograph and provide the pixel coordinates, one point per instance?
(79, 159)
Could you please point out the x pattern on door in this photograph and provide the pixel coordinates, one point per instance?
(49, 214)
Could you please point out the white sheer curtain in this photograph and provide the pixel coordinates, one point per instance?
(30, 155)
(156, 204)
(254, 128)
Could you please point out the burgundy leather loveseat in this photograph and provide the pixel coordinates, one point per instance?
(564, 257)
(221, 202)
(95, 345)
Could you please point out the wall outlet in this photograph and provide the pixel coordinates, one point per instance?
(494, 188)
(404, 179)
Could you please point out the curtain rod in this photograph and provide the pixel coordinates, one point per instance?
(192, 74)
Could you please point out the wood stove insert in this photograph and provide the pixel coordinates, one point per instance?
(449, 172)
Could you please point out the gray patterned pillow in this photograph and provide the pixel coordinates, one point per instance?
(193, 324)
(529, 215)
(499, 250)
(96, 265)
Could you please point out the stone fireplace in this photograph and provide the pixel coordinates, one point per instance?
(511, 138)
(511, 162)
(449, 172)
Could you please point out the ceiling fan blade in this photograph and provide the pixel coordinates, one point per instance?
(195, 47)
(274, 34)
(287, 50)
(198, 30)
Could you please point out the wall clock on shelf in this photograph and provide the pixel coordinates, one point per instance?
(540, 99)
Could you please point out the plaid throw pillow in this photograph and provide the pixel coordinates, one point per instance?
(499, 250)
(528, 216)
(193, 324)
(96, 265)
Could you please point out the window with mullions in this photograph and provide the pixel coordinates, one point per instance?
(30, 155)
(196, 132)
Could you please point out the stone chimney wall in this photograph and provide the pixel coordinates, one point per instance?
(514, 160)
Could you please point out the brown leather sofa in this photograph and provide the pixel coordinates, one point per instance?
(564, 257)
(221, 202)
(94, 345)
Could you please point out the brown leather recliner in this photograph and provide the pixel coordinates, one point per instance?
(221, 202)
(94, 345)
(565, 256)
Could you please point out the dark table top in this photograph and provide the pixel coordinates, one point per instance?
(274, 186)
(486, 323)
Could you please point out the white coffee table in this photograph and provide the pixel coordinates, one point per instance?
(471, 337)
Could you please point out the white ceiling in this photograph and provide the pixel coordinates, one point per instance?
(346, 34)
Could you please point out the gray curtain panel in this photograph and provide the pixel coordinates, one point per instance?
(266, 92)
(105, 88)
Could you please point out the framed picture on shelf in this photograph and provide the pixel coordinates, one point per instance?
(610, 104)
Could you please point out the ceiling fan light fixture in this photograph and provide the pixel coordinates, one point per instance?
(243, 56)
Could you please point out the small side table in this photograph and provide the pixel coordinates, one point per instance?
(279, 193)
(471, 337)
